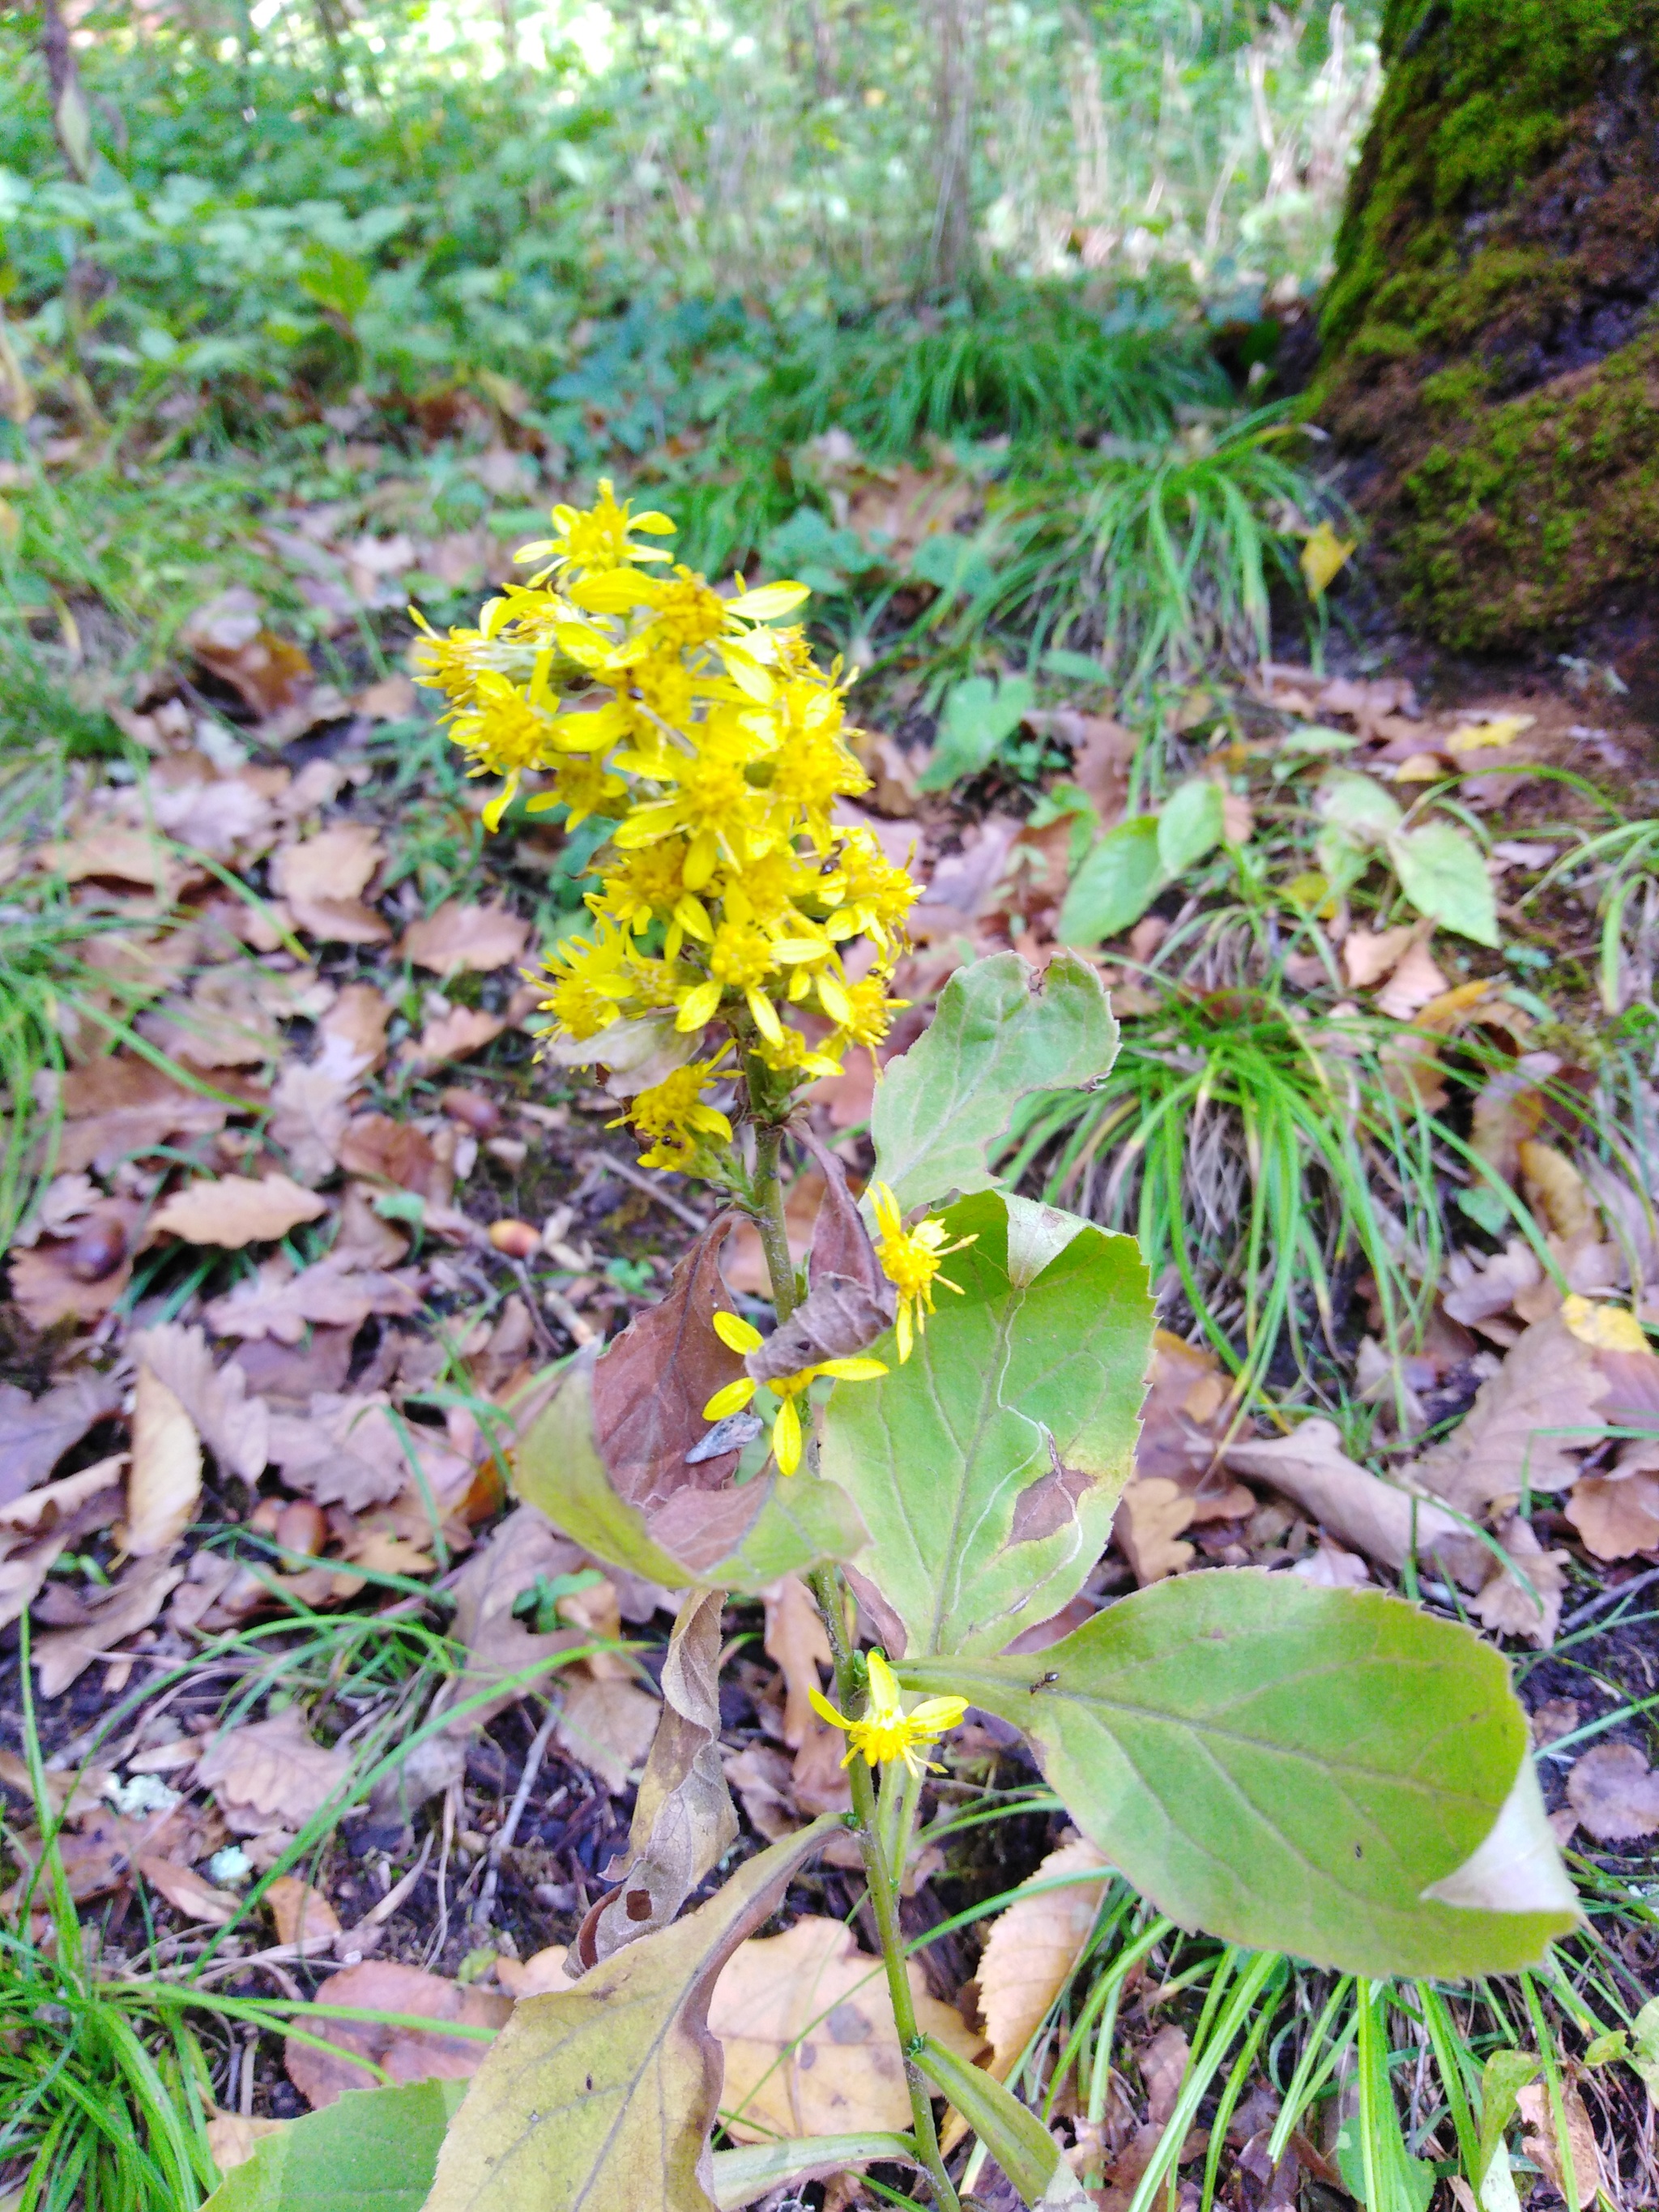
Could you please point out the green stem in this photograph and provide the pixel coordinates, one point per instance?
(774, 1233)
(880, 1854)
(884, 1903)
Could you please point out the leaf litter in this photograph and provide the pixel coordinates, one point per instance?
(328, 1397)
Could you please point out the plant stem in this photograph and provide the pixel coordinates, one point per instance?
(884, 1903)
(830, 1591)
(774, 1234)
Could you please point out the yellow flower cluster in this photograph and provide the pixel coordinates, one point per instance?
(717, 748)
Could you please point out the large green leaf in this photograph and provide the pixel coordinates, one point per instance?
(373, 2149)
(1117, 883)
(987, 1466)
(1327, 1772)
(1443, 872)
(602, 2096)
(773, 1527)
(999, 1033)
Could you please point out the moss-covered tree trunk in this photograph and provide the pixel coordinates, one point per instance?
(1490, 338)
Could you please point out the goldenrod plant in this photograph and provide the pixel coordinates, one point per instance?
(1330, 1773)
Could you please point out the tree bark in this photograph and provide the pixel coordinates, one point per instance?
(1490, 355)
(951, 244)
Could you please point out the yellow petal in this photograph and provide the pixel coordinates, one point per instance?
(697, 1007)
(938, 1713)
(832, 997)
(768, 602)
(884, 1684)
(825, 1711)
(731, 1399)
(786, 1438)
(766, 1015)
(853, 1371)
(1323, 556)
(906, 1339)
(735, 1333)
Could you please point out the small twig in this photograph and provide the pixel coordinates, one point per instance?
(579, 1331)
(539, 1328)
(502, 1842)
(1611, 1597)
(629, 1173)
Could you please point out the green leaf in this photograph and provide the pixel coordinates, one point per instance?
(1075, 667)
(790, 1526)
(978, 715)
(1012, 2134)
(603, 2095)
(1442, 872)
(1327, 1772)
(1189, 825)
(373, 2148)
(1358, 805)
(999, 1033)
(757, 2169)
(1116, 884)
(1504, 2075)
(987, 1467)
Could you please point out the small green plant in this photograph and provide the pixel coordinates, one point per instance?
(1318, 1772)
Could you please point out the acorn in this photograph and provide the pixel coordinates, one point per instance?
(96, 1251)
(302, 1525)
(472, 1110)
(516, 1240)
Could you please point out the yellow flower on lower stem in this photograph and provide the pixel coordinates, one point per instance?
(909, 1258)
(673, 1117)
(884, 1731)
(739, 1335)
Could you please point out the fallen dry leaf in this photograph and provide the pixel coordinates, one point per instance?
(1505, 1604)
(351, 1450)
(165, 1477)
(237, 1210)
(235, 1427)
(322, 878)
(310, 1108)
(1378, 1518)
(1543, 2144)
(454, 1035)
(407, 2054)
(271, 1774)
(606, 1726)
(233, 2139)
(36, 1432)
(1415, 984)
(80, 1276)
(796, 1638)
(222, 1022)
(807, 2027)
(1614, 1793)
(1031, 1949)
(1368, 954)
(353, 1028)
(459, 937)
(187, 1893)
(1163, 2068)
(131, 1603)
(36, 1528)
(282, 1303)
(1151, 1516)
(121, 1106)
(300, 1912)
(1527, 1422)
(396, 1153)
(1617, 1518)
(229, 637)
(391, 698)
(126, 856)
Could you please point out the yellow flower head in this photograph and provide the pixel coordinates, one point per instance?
(739, 1335)
(674, 1119)
(596, 538)
(909, 1258)
(717, 747)
(884, 1731)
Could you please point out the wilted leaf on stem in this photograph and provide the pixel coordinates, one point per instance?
(683, 1822)
(606, 1460)
(848, 1301)
(603, 2096)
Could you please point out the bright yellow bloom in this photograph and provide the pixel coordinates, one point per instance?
(596, 538)
(672, 1116)
(884, 1731)
(909, 1258)
(739, 1335)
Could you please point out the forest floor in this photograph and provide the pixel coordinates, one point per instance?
(331, 1722)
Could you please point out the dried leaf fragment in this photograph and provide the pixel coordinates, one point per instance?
(1614, 1793)
(237, 1210)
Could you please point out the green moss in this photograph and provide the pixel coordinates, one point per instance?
(1549, 507)
(1507, 188)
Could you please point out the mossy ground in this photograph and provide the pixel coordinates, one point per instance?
(1489, 353)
